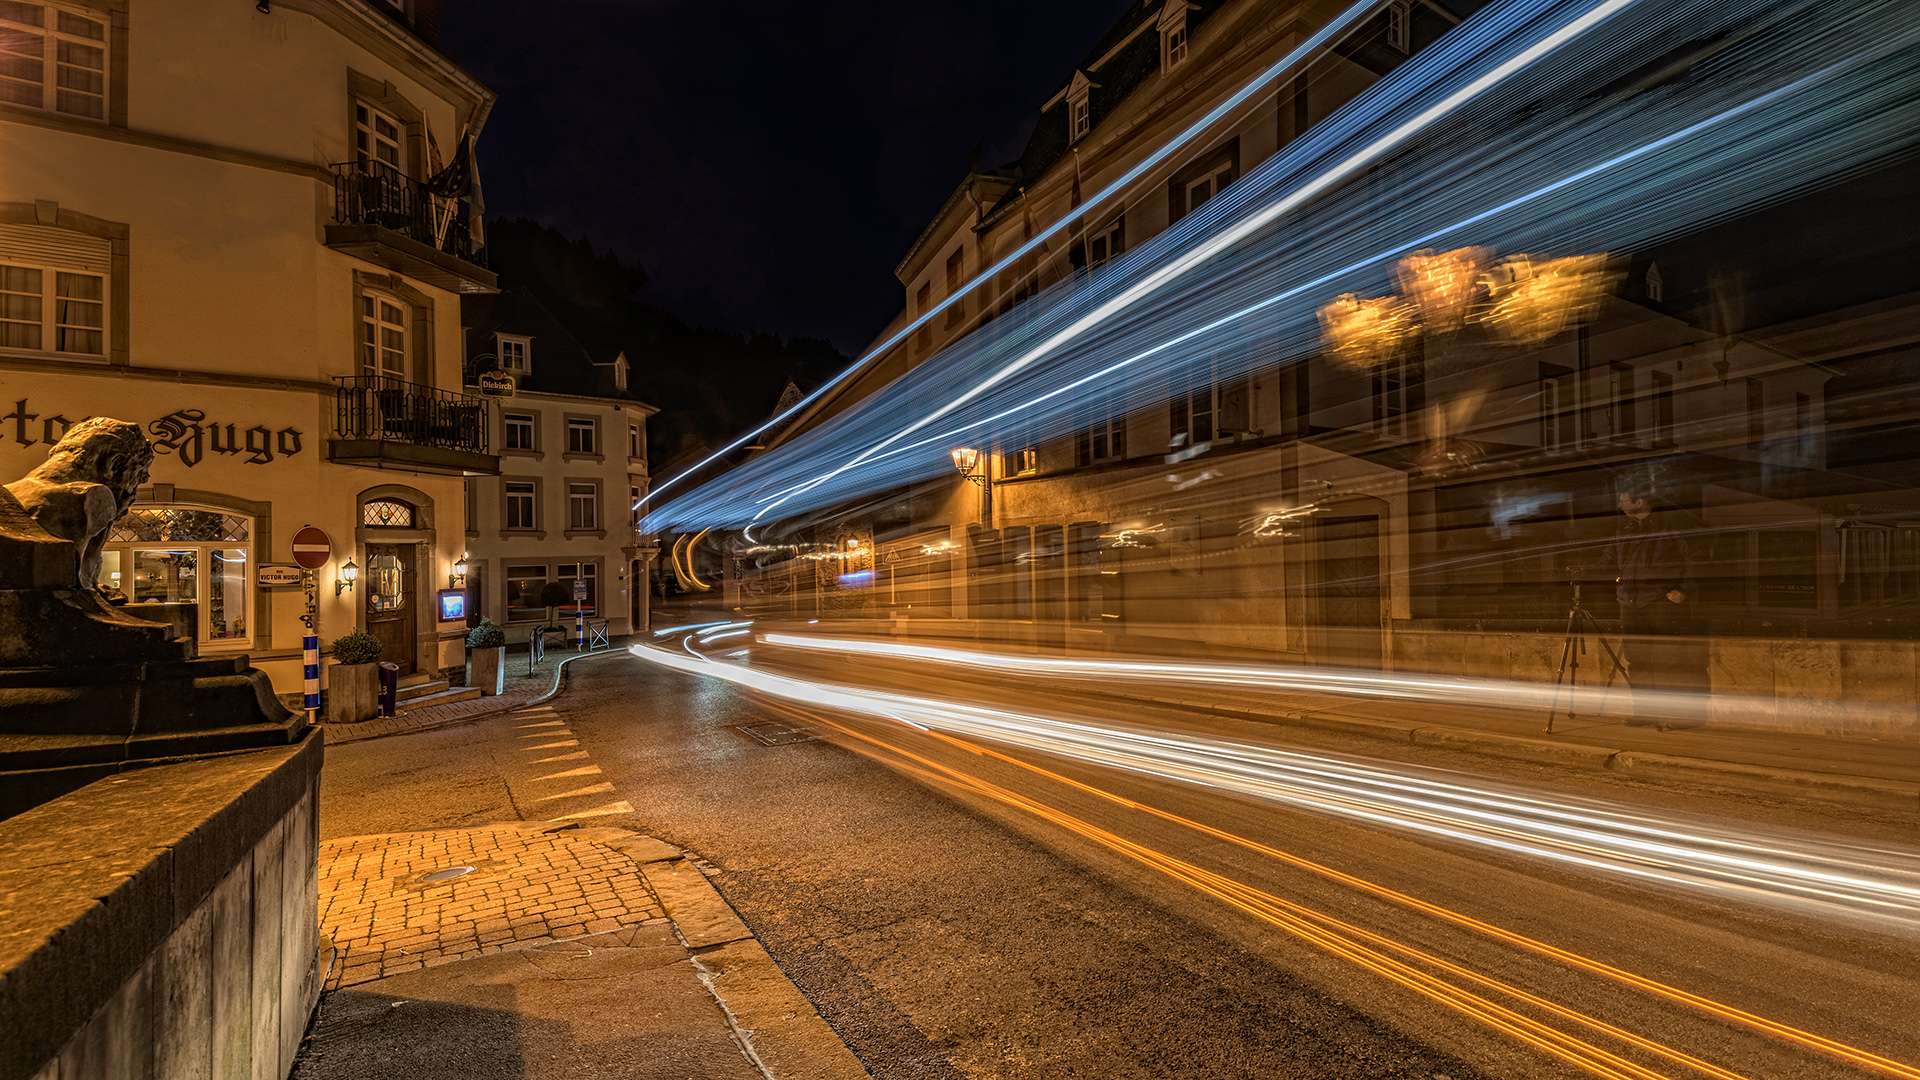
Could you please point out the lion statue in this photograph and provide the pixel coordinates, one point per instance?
(90, 479)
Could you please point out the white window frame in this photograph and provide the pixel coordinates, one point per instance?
(515, 352)
(60, 47)
(55, 310)
(1173, 35)
(585, 568)
(532, 500)
(369, 141)
(591, 427)
(203, 592)
(1080, 114)
(1106, 244)
(531, 426)
(583, 495)
(1400, 26)
(1103, 431)
(635, 452)
(1216, 179)
(375, 346)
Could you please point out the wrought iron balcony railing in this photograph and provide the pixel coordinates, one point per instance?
(375, 193)
(378, 407)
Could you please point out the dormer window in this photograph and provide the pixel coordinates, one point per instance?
(515, 352)
(1173, 34)
(1656, 288)
(1400, 25)
(1080, 106)
(620, 371)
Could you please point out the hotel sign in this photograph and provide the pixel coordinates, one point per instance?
(184, 433)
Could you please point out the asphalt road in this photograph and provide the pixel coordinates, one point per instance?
(957, 914)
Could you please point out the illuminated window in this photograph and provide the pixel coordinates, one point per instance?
(520, 429)
(387, 514)
(185, 555)
(376, 137)
(583, 506)
(383, 336)
(53, 59)
(583, 435)
(385, 583)
(516, 354)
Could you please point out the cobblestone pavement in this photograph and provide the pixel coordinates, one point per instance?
(528, 886)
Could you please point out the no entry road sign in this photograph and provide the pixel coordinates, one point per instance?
(311, 548)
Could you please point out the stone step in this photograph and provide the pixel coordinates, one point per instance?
(444, 697)
(410, 691)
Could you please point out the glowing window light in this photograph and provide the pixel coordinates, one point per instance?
(1443, 284)
(1364, 332)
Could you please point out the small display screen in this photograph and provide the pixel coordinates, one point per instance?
(453, 605)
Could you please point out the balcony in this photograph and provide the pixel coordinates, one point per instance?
(385, 423)
(384, 217)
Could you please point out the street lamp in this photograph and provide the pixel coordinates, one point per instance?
(964, 459)
(349, 573)
(457, 575)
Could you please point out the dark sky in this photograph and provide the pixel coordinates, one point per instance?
(768, 163)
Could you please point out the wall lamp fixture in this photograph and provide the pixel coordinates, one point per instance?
(344, 580)
(964, 459)
(457, 574)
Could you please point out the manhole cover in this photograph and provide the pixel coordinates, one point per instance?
(774, 733)
(448, 874)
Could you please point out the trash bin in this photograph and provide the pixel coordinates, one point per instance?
(389, 687)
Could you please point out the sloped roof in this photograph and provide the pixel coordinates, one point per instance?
(560, 364)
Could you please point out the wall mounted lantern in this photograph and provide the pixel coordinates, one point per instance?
(344, 580)
(457, 575)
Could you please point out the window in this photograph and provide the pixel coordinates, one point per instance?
(1103, 429)
(1624, 420)
(387, 514)
(1400, 26)
(1107, 244)
(1390, 386)
(1213, 180)
(1656, 287)
(956, 270)
(515, 354)
(583, 505)
(583, 435)
(1556, 409)
(1020, 448)
(524, 586)
(520, 429)
(53, 59)
(383, 336)
(1173, 35)
(49, 310)
(633, 442)
(574, 574)
(1662, 409)
(386, 583)
(376, 137)
(185, 555)
(1206, 404)
(1082, 117)
(922, 300)
(633, 505)
(522, 505)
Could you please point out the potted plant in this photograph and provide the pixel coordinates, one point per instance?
(486, 658)
(353, 683)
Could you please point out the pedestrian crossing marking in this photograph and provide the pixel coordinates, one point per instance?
(590, 770)
(560, 757)
(596, 789)
(551, 745)
(621, 807)
(549, 723)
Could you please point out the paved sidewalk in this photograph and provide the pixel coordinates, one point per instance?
(564, 951)
(521, 689)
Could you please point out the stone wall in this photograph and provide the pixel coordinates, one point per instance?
(163, 922)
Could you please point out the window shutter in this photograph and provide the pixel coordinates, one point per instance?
(60, 248)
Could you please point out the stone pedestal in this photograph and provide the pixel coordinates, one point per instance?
(487, 669)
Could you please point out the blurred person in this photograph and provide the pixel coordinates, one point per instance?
(1651, 560)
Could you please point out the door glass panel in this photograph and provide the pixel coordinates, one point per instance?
(385, 589)
(165, 577)
(226, 593)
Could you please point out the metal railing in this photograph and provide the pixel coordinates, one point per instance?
(379, 407)
(375, 193)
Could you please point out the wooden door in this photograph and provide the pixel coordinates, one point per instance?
(389, 585)
(1348, 589)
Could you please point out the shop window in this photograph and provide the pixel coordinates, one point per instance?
(185, 555)
(571, 574)
(387, 514)
(524, 586)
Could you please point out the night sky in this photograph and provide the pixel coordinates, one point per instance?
(767, 163)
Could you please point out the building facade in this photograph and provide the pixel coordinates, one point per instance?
(1425, 506)
(214, 223)
(572, 440)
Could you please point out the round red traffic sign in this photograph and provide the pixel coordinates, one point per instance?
(311, 548)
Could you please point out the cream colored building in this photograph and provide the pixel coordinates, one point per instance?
(212, 224)
(572, 441)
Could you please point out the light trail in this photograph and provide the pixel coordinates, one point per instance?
(1748, 864)
(1335, 29)
(1264, 906)
(1811, 91)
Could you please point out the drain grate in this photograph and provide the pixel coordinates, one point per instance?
(775, 733)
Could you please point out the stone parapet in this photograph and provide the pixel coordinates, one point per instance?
(163, 921)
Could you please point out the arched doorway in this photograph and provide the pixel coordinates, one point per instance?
(390, 588)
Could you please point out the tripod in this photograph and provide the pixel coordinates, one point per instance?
(1580, 623)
